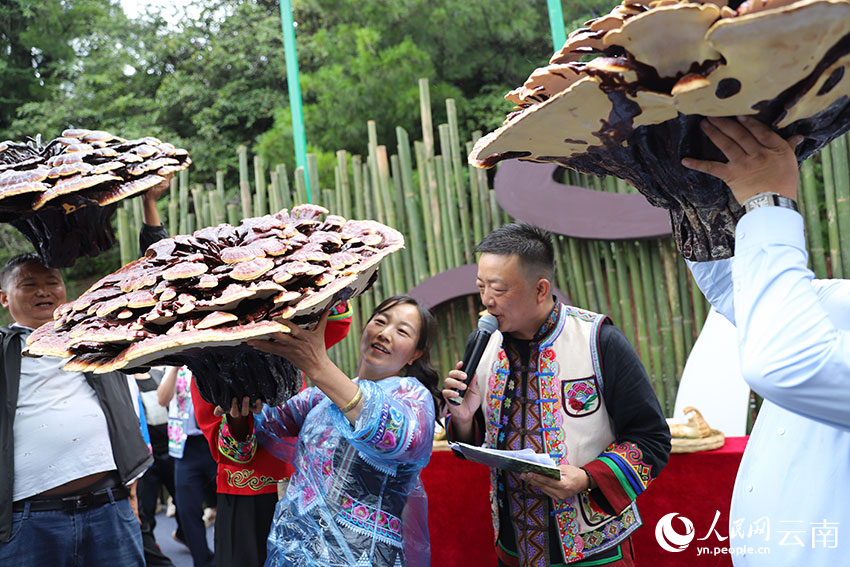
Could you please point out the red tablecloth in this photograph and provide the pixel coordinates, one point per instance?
(693, 485)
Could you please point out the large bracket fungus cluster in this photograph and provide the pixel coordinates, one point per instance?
(193, 300)
(61, 195)
(634, 110)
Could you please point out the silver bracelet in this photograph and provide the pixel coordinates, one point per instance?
(769, 199)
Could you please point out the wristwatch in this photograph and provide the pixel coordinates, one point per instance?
(769, 199)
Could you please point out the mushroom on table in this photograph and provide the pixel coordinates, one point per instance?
(658, 68)
(195, 299)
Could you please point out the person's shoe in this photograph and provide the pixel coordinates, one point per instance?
(209, 516)
(178, 538)
(171, 509)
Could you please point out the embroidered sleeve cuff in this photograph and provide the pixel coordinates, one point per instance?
(613, 498)
(620, 473)
(230, 447)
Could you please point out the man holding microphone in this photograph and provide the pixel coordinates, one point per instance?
(566, 382)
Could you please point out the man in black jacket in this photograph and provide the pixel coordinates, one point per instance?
(70, 443)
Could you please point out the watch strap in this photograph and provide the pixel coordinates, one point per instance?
(769, 199)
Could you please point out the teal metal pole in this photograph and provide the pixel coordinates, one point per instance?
(556, 24)
(294, 85)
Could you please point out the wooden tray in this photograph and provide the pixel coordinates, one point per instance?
(713, 441)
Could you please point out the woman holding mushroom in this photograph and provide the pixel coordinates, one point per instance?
(357, 446)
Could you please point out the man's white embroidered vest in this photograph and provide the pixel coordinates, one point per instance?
(576, 425)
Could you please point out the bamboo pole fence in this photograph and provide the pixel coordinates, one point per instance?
(425, 189)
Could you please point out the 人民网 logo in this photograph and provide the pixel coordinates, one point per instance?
(671, 540)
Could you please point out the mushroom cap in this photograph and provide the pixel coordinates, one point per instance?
(179, 303)
(634, 111)
(60, 195)
(184, 270)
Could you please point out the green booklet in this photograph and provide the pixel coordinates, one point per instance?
(522, 461)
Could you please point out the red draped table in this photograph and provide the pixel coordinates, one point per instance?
(693, 485)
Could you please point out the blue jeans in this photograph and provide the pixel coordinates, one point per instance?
(105, 536)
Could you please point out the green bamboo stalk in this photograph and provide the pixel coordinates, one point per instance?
(611, 282)
(593, 272)
(359, 189)
(671, 379)
(674, 306)
(682, 274)
(397, 274)
(313, 174)
(700, 305)
(646, 321)
(300, 187)
(173, 217)
(337, 192)
(244, 184)
(274, 192)
(577, 272)
(425, 117)
(126, 250)
(397, 193)
(197, 206)
(430, 213)
(137, 216)
(460, 187)
(647, 315)
(217, 214)
(841, 178)
(405, 256)
(475, 200)
(285, 189)
(487, 222)
(191, 223)
(232, 214)
(328, 199)
(831, 213)
(344, 184)
(205, 213)
(183, 199)
(814, 229)
(624, 299)
(412, 208)
(260, 199)
(495, 210)
(562, 278)
(173, 207)
(448, 196)
(450, 240)
(374, 171)
(370, 189)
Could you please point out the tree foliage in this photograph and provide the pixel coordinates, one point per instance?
(215, 78)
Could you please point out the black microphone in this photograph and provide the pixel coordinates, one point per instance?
(475, 345)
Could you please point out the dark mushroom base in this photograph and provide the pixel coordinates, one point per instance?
(703, 212)
(62, 194)
(225, 373)
(59, 237)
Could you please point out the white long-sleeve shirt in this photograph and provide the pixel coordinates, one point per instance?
(794, 335)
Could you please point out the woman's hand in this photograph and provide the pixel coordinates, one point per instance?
(305, 349)
(240, 410)
(239, 418)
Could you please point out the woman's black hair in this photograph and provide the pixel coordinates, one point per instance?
(421, 368)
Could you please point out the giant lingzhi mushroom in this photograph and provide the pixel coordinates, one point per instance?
(658, 67)
(61, 194)
(195, 299)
